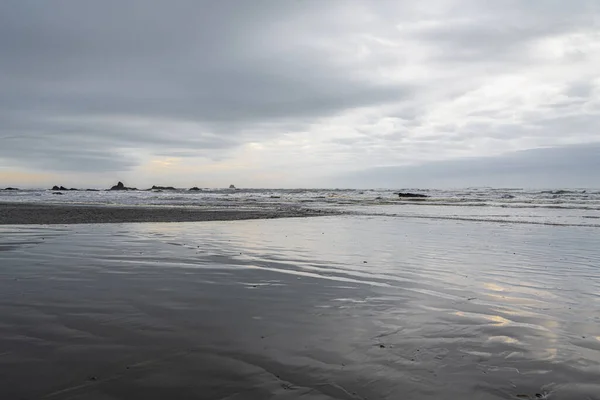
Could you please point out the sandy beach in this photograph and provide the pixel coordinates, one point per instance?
(340, 307)
(31, 213)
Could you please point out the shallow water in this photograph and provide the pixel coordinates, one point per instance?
(347, 307)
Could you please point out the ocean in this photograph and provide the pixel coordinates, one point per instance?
(568, 207)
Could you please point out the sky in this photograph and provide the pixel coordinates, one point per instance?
(300, 93)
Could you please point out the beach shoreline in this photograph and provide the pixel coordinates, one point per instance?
(61, 214)
(341, 307)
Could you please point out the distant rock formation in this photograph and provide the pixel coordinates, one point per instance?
(154, 187)
(62, 188)
(59, 193)
(120, 186)
(412, 195)
(195, 189)
(232, 187)
(91, 190)
(11, 188)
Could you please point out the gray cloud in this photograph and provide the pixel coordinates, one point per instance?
(222, 65)
(569, 166)
(105, 86)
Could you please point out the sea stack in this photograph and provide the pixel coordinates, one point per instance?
(120, 186)
(232, 187)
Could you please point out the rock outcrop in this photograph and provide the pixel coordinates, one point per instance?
(195, 189)
(120, 186)
(154, 187)
(62, 188)
(11, 188)
(232, 187)
(411, 195)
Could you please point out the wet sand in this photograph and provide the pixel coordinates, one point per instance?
(313, 308)
(24, 213)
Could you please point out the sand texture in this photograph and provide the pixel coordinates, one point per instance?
(340, 307)
(19, 214)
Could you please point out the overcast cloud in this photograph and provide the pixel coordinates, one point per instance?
(298, 93)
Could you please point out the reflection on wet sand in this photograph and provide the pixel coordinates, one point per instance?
(336, 307)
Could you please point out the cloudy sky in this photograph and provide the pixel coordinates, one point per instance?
(300, 93)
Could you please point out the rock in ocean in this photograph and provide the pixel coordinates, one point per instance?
(411, 195)
(120, 186)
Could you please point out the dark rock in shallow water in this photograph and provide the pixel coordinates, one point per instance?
(91, 190)
(60, 188)
(232, 187)
(154, 187)
(11, 188)
(60, 193)
(195, 189)
(412, 195)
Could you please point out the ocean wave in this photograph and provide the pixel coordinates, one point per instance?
(480, 219)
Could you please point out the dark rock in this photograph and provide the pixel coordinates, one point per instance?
(11, 188)
(231, 187)
(120, 186)
(412, 195)
(195, 189)
(154, 187)
(60, 188)
(55, 188)
(60, 193)
(91, 190)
